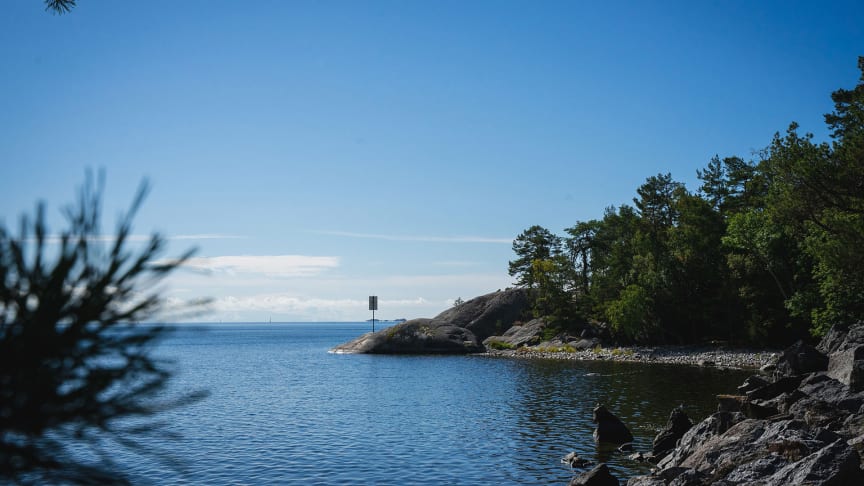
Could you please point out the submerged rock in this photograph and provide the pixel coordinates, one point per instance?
(610, 429)
(573, 460)
(599, 476)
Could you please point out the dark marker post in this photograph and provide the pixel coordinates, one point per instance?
(373, 306)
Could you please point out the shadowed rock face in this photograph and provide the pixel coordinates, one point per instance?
(489, 314)
(800, 359)
(454, 331)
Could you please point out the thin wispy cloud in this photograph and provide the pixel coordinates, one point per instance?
(268, 265)
(419, 238)
(207, 236)
(137, 238)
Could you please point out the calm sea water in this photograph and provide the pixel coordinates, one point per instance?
(282, 410)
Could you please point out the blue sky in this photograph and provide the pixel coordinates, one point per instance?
(317, 152)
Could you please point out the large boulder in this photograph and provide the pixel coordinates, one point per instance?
(458, 330)
(783, 385)
(518, 335)
(844, 346)
(807, 427)
(822, 387)
(800, 359)
(699, 434)
(488, 315)
(776, 453)
(841, 338)
(610, 429)
(677, 425)
(847, 367)
(417, 336)
(836, 463)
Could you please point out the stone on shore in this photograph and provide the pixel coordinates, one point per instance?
(610, 429)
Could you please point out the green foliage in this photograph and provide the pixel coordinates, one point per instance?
(392, 331)
(549, 332)
(555, 349)
(73, 361)
(501, 345)
(656, 201)
(535, 243)
(550, 297)
(817, 192)
(765, 252)
(629, 315)
(623, 352)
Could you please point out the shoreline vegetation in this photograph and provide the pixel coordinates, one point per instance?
(764, 252)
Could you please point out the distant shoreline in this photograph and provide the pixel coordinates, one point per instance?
(707, 356)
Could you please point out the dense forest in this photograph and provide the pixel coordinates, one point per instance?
(765, 251)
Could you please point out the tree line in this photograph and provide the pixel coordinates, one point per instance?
(765, 251)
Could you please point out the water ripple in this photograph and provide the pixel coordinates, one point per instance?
(283, 410)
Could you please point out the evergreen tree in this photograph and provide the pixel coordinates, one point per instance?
(74, 363)
(535, 243)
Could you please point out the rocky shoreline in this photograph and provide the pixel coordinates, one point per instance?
(798, 420)
(720, 357)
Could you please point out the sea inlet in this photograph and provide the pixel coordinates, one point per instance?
(282, 410)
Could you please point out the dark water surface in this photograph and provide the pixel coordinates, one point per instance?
(283, 410)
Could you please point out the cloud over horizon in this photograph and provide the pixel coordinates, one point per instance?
(253, 308)
(269, 265)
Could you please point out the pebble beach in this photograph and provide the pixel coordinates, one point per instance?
(720, 357)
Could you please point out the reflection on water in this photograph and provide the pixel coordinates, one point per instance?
(557, 398)
(283, 410)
